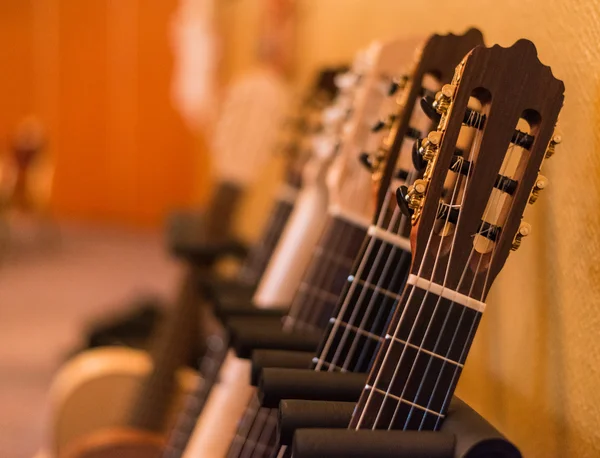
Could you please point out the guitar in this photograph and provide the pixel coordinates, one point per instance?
(118, 375)
(354, 329)
(228, 399)
(496, 127)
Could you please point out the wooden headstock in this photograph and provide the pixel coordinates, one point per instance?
(371, 107)
(469, 204)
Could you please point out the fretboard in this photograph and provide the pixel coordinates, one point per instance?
(258, 258)
(355, 330)
(326, 274)
(420, 360)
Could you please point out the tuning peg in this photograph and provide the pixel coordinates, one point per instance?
(427, 105)
(365, 160)
(402, 199)
(444, 98)
(540, 183)
(383, 123)
(396, 84)
(417, 155)
(524, 231)
(556, 139)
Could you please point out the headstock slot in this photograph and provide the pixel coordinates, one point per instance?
(509, 103)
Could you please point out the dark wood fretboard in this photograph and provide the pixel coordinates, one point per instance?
(326, 274)
(419, 363)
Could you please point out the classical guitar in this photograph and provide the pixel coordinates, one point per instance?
(362, 308)
(227, 400)
(120, 375)
(496, 127)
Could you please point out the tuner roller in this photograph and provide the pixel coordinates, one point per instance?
(540, 183)
(556, 139)
(381, 124)
(524, 231)
(443, 98)
(396, 84)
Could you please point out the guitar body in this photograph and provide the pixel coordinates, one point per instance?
(113, 443)
(94, 393)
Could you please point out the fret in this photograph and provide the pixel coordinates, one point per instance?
(327, 365)
(404, 401)
(376, 288)
(430, 353)
(334, 258)
(322, 294)
(355, 219)
(356, 330)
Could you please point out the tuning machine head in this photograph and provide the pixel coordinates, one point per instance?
(383, 123)
(410, 199)
(540, 183)
(524, 231)
(556, 139)
(373, 161)
(443, 98)
(396, 84)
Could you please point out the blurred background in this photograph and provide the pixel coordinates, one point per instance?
(108, 114)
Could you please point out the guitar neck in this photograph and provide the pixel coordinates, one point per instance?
(221, 211)
(255, 264)
(355, 329)
(420, 360)
(171, 349)
(326, 275)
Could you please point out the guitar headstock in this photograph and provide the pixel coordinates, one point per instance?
(496, 126)
(369, 109)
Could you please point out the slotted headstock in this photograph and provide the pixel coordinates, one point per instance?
(496, 127)
(369, 111)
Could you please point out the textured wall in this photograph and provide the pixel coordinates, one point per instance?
(535, 367)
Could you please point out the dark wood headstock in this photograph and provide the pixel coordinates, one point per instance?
(437, 57)
(517, 100)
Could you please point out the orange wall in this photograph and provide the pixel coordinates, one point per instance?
(97, 73)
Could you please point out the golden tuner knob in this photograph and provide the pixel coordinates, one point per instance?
(444, 98)
(556, 140)
(524, 231)
(540, 183)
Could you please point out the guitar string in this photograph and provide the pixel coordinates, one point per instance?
(418, 118)
(180, 433)
(357, 312)
(362, 264)
(437, 305)
(388, 350)
(272, 417)
(472, 327)
(402, 395)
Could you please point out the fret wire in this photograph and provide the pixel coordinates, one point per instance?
(403, 401)
(357, 330)
(317, 360)
(422, 350)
